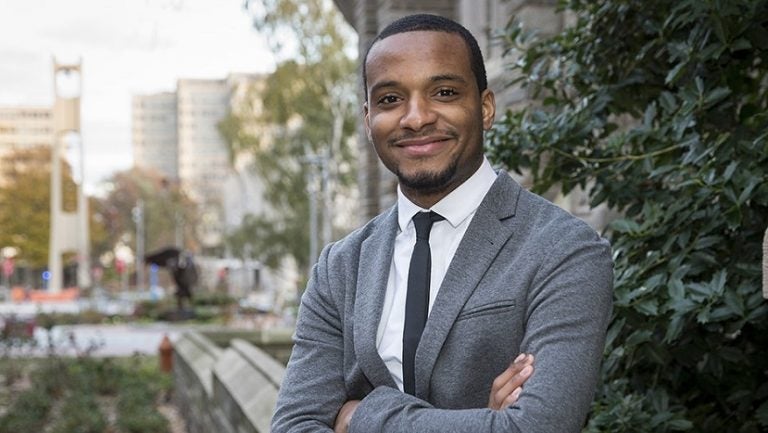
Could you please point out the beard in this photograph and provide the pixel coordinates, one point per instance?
(429, 182)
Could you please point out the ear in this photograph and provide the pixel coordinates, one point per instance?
(488, 101)
(367, 121)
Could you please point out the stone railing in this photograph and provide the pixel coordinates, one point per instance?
(230, 390)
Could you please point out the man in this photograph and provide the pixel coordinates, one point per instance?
(509, 276)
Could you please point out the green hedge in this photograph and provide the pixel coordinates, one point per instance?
(75, 390)
(659, 109)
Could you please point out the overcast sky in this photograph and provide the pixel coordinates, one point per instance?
(127, 47)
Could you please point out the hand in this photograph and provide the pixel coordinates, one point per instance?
(508, 385)
(345, 416)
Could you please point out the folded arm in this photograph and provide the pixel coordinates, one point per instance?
(568, 309)
(505, 391)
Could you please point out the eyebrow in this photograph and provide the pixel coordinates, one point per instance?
(448, 77)
(377, 86)
(432, 79)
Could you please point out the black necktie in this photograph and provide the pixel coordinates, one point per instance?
(417, 300)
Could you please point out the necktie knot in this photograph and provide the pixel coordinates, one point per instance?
(423, 221)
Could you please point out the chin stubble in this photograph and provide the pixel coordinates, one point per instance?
(429, 182)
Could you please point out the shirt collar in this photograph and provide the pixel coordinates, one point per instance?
(458, 205)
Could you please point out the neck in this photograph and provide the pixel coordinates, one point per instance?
(424, 199)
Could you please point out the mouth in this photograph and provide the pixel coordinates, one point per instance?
(423, 146)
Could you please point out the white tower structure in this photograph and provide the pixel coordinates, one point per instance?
(69, 230)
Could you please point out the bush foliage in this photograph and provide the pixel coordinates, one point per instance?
(659, 109)
(68, 396)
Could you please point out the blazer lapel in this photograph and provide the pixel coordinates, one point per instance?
(484, 238)
(372, 274)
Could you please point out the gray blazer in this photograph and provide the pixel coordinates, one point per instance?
(527, 277)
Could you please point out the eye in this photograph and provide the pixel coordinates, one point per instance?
(446, 92)
(387, 99)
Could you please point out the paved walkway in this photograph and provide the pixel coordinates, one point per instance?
(105, 340)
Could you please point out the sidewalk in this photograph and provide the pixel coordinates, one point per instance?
(105, 340)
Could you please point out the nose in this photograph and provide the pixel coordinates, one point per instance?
(418, 113)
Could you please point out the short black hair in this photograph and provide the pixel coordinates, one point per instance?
(436, 23)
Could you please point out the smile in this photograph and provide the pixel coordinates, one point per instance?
(423, 146)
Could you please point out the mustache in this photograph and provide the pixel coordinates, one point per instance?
(422, 134)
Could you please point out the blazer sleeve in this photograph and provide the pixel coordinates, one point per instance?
(313, 390)
(569, 306)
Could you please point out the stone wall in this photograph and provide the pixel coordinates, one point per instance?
(231, 390)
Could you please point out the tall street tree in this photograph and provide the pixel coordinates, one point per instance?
(660, 110)
(169, 216)
(303, 114)
(25, 202)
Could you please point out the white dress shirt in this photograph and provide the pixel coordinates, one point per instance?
(458, 208)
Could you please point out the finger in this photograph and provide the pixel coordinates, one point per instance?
(513, 371)
(511, 398)
(520, 378)
(520, 362)
(513, 384)
(517, 365)
(509, 379)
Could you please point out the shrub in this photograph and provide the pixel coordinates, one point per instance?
(136, 412)
(211, 299)
(49, 320)
(27, 413)
(51, 376)
(80, 413)
(659, 109)
(77, 385)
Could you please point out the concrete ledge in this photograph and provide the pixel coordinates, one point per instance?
(276, 342)
(193, 359)
(198, 354)
(230, 390)
(268, 366)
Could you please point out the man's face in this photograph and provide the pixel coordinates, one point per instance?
(425, 114)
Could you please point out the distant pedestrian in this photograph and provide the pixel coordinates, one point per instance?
(185, 275)
(183, 270)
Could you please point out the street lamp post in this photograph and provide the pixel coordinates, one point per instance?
(138, 218)
(312, 190)
(317, 163)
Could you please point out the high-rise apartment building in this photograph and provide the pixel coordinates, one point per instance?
(155, 135)
(177, 134)
(24, 127)
(203, 154)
